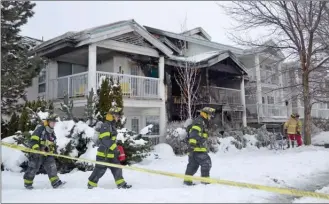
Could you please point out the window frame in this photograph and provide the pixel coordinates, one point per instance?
(149, 119)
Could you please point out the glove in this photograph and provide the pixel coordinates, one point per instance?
(298, 133)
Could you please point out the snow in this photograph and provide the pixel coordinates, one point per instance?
(146, 129)
(313, 200)
(11, 158)
(62, 130)
(180, 132)
(198, 58)
(43, 115)
(321, 138)
(101, 79)
(285, 168)
(164, 151)
(89, 154)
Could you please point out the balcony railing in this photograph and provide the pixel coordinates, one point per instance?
(74, 85)
(134, 86)
(316, 112)
(77, 85)
(220, 95)
(266, 110)
(269, 77)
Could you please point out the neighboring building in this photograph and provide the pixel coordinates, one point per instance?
(145, 60)
(319, 80)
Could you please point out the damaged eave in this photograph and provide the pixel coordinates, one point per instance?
(171, 45)
(228, 54)
(57, 48)
(187, 64)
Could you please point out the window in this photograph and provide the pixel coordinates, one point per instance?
(270, 100)
(155, 121)
(42, 81)
(135, 125)
(65, 69)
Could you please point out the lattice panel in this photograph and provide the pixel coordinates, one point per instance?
(132, 38)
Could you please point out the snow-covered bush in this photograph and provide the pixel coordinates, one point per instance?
(176, 137)
(176, 134)
(11, 159)
(319, 124)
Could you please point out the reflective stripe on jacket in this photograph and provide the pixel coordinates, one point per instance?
(107, 140)
(198, 135)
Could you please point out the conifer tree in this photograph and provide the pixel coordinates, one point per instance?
(118, 101)
(17, 67)
(104, 101)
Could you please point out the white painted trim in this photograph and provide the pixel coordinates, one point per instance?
(243, 102)
(125, 47)
(152, 40)
(92, 64)
(106, 35)
(258, 86)
(195, 40)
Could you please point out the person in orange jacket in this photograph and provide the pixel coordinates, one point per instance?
(122, 155)
(293, 130)
(298, 135)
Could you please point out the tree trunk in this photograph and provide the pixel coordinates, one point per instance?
(307, 109)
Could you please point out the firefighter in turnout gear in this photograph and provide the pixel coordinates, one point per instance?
(43, 139)
(197, 139)
(292, 129)
(108, 151)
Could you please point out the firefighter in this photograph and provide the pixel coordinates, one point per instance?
(43, 139)
(298, 136)
(290, 128)
(108, 151)
(197, 139)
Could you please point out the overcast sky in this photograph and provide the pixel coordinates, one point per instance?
(53, 18)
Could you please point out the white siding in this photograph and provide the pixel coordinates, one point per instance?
(194, 49)
(32, 91)
(106, 65)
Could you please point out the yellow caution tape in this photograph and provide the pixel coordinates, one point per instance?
(286, 191)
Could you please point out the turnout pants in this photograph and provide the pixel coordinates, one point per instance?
(100, 170)
(196, 159)
(34, 164)
(298, 138)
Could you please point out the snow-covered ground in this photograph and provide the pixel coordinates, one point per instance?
(286, 168)
(321, 138)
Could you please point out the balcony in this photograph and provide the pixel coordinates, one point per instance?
(269, 77)
(266, 110)
(76, 85)
(218, 96)
(316, 112)
(224, 96)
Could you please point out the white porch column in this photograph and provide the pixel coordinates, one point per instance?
(243, 103)
(258, 87)
(163, 115)
(92, 63)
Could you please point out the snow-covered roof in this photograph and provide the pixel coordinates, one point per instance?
(199, 57)
(90, 35)
(207, 43)
(211, 58)
(198, 30)
(266, 45)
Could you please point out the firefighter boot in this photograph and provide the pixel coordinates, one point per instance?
(124, 186)
(189, 183)
(28, 186)
(293, 144)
